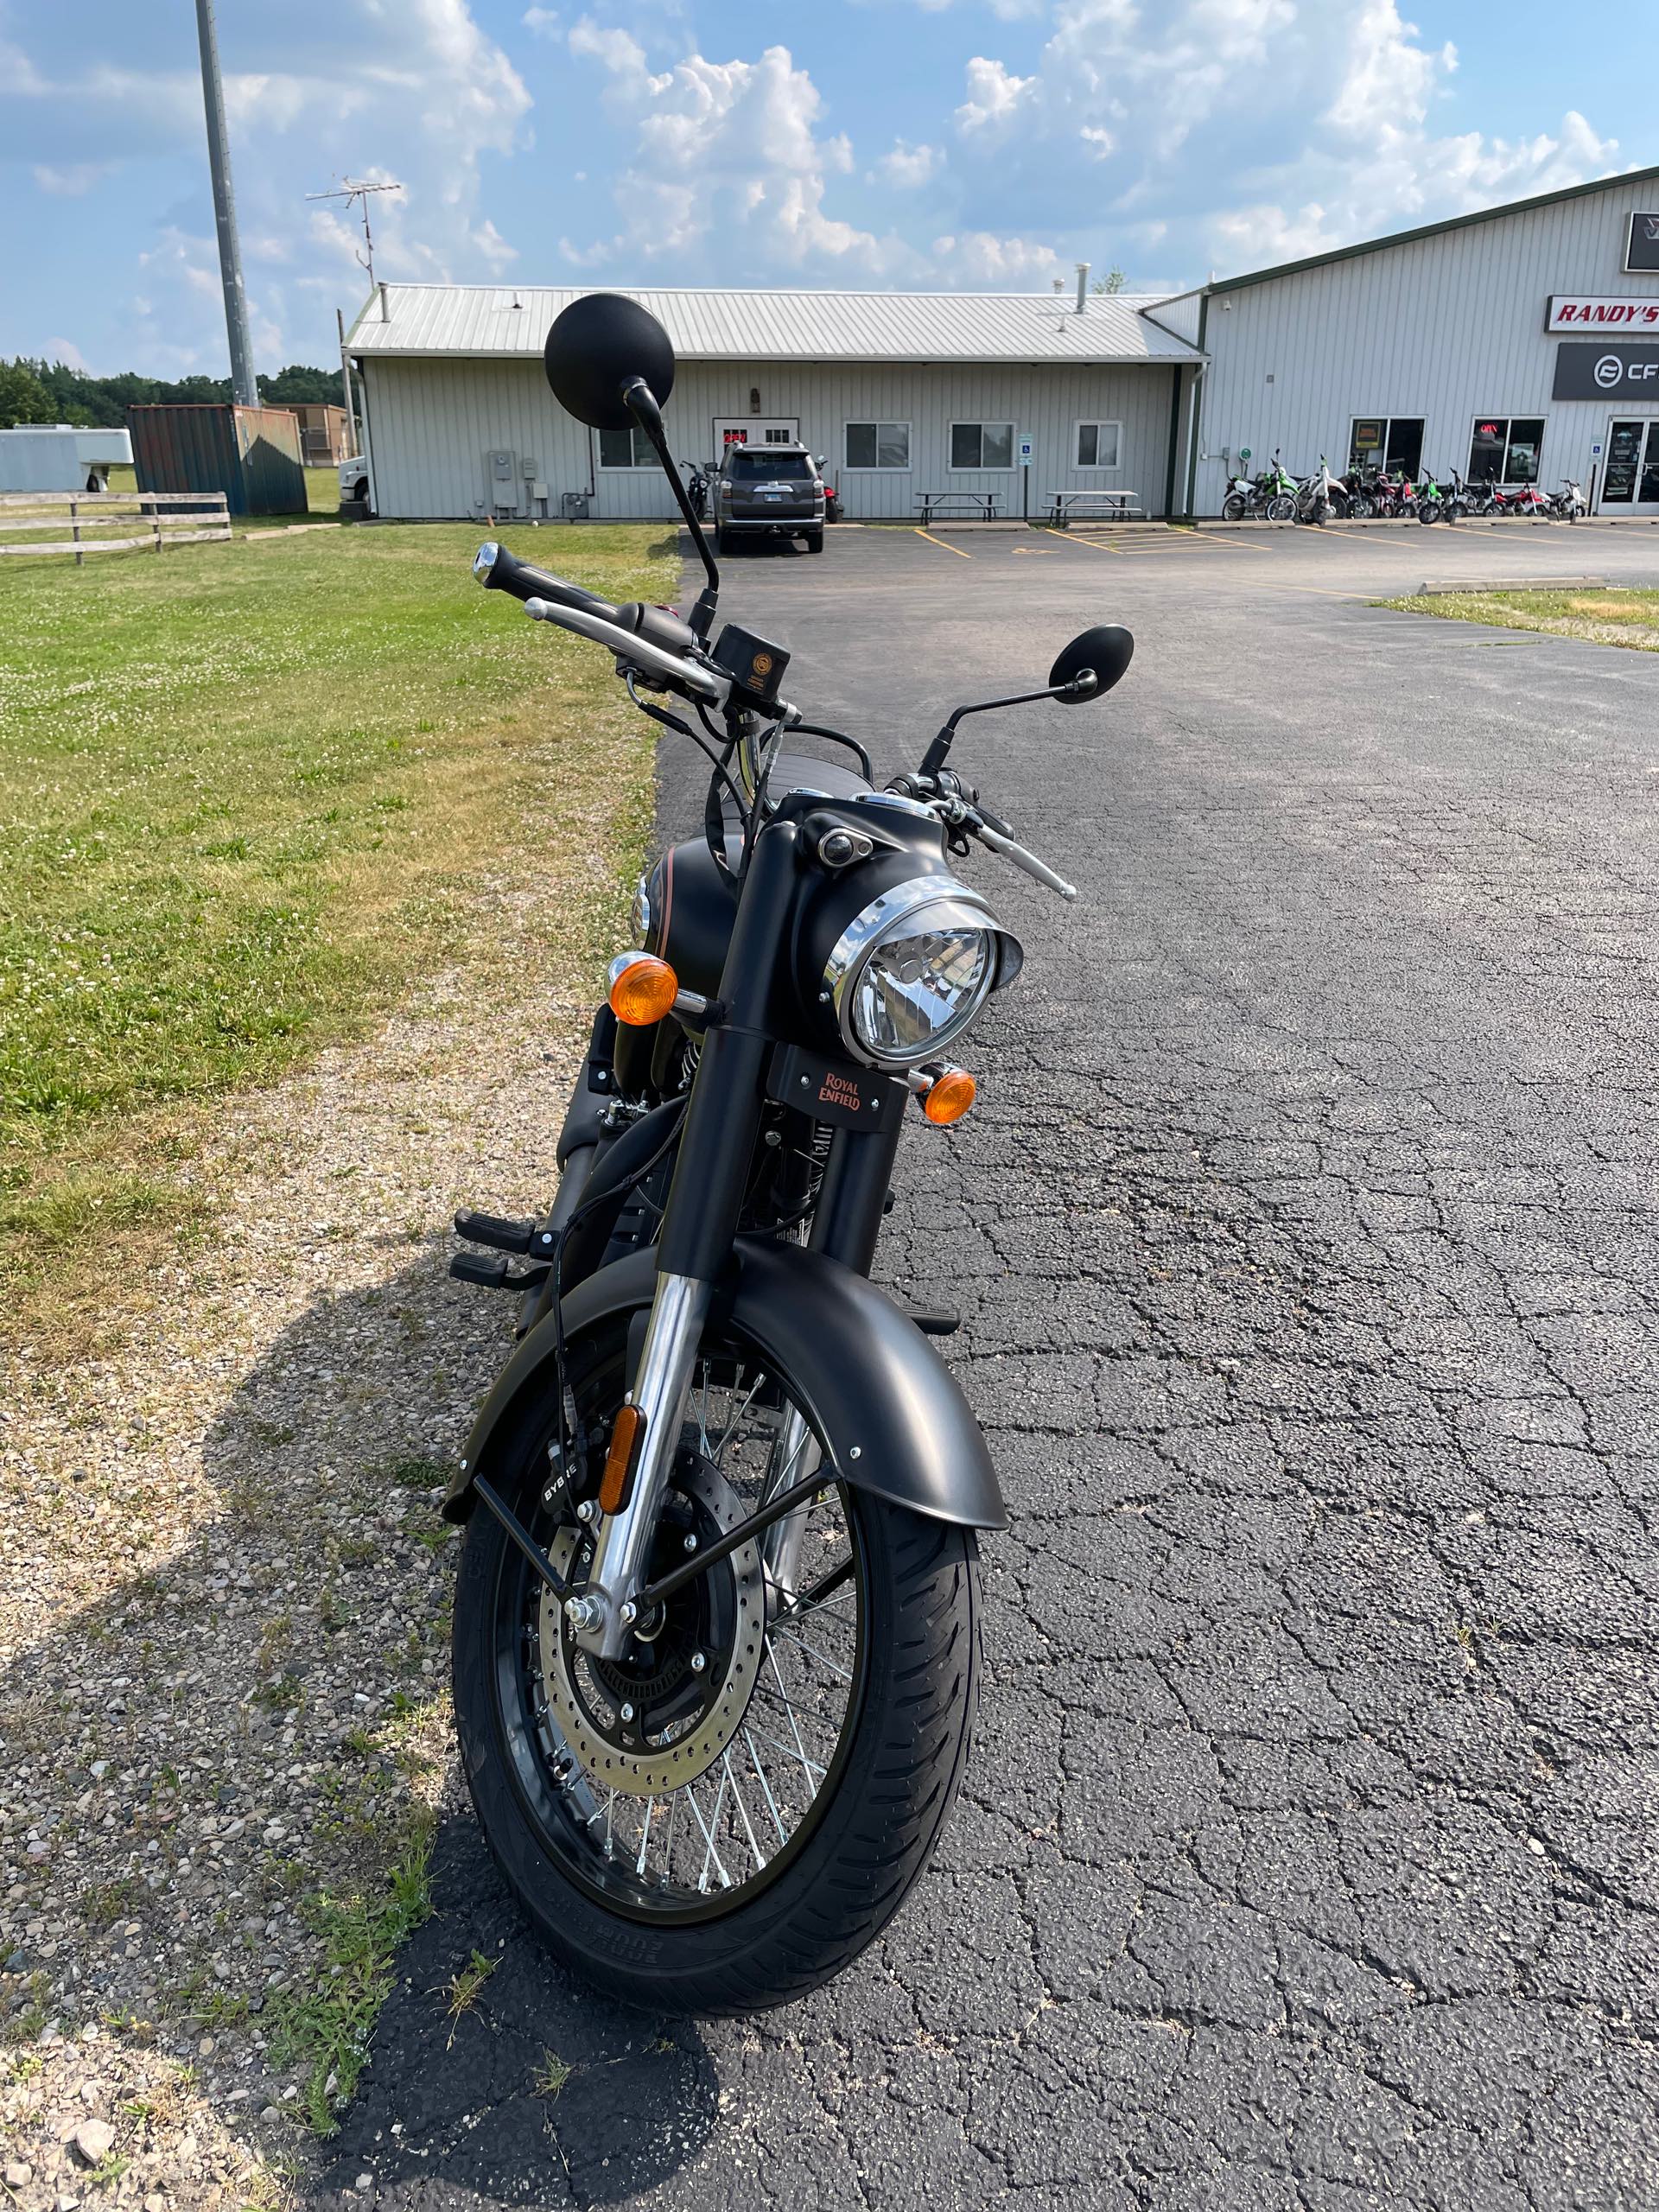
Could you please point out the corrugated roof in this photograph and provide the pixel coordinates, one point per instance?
(496, 321)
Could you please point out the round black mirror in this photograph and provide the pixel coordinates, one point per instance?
(596, 347)
(1104, 654)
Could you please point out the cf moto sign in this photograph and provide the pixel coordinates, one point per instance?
(1612, 369)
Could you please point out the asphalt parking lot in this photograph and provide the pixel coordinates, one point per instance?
(1305, 1234)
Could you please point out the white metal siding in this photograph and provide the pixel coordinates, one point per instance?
(1445, 328)
(433, 424)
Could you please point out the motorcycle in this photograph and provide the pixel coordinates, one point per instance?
(1569, 504)
(1438, 502)
(697, 492)
(1319, 496)
(717, 1619)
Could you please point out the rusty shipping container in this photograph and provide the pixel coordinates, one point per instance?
(250, 454)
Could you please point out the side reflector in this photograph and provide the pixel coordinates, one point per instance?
(949, 1095)
(643, 990)
(619, 1460)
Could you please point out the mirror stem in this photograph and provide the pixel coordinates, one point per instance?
(641, 403)
(933, 758)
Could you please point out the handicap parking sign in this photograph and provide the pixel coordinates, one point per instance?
(1025, 453)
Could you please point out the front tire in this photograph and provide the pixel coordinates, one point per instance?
(813, 541)
(651, 1927)
(1234, 507)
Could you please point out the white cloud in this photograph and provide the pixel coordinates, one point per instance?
(993, 95)
(983, 258)
(905, 167)
(70, 182)
(420, 89)
(543, 23)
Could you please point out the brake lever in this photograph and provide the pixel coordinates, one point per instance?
(1022, 859)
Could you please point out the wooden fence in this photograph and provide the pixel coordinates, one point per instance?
(202, 515)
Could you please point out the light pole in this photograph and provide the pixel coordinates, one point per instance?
(244, 391)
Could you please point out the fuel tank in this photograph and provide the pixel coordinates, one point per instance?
(689, 909)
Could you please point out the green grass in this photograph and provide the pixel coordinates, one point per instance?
(324, 2034)
(242, 791)
(1620, 616)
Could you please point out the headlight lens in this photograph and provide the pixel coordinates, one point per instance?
(912, 969)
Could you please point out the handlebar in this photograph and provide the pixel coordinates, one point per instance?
(499, 570)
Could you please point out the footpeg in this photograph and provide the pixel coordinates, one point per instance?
(490, 1229)
(935, 1320)
(496, 1274)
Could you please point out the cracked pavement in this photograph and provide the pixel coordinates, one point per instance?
(1305, 1239)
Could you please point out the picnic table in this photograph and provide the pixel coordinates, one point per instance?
(1126, 505)
(985, 502)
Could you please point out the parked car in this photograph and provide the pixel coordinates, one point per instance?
(354, 481)
(768, 491)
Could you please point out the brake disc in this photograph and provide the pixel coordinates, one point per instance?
(703, 1709)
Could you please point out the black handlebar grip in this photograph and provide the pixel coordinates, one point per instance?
(505, 571)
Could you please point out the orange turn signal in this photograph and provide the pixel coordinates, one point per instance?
(948, 1098)
(643, 990)
(619, 1460)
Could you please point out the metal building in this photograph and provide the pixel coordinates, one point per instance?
(901, 393)
(1518, 345)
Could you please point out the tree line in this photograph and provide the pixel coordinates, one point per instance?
(50, 392)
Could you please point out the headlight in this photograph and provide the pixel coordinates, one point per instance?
(642, 913)
(910, 970)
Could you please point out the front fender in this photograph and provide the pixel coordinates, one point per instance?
(893, 1414)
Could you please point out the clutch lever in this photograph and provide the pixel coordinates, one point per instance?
(1022, 859)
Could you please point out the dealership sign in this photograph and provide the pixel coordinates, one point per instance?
(1574, 311)
(1614, 369)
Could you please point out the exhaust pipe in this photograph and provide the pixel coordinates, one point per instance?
(1083, 286)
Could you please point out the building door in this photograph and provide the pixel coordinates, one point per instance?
(755, 431)
(1630, 485)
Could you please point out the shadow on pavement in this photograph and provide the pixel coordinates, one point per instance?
(458, 2112)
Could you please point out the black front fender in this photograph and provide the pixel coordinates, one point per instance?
(893, 1414)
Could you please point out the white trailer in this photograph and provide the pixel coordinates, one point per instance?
(58, 457)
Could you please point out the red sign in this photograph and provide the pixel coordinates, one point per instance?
(1584, 311)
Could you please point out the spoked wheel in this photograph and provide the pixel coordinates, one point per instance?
(1281, 508)
(1235, 507)
(727, 1815)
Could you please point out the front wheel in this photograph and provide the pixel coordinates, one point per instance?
(726, 1816)
(1235, 507)
(1281, 508)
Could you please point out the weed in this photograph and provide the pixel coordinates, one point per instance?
(551, 2075)
(327, 2031)
(464, 1988)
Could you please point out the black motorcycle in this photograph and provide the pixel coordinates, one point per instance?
(716, 1634)
(697, 491)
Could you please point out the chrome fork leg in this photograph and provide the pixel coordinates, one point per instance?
(623, 1552)
(798, 1455)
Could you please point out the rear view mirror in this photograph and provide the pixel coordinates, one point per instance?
(597, 346)
(1102, 654)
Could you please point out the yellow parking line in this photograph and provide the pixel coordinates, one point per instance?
(940, 542)
(1093, 544)
(1215, 538)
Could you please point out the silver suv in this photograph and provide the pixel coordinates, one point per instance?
(768, 491)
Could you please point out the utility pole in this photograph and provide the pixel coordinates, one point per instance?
(349, 190)
(244, 388)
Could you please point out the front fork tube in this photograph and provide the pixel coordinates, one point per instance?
(622, 1554)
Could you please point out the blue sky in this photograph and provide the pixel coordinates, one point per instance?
(854, 143)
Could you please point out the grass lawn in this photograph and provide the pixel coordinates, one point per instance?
(1617, 617)
(242, 789)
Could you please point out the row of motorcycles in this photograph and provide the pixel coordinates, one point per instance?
(1276, 495)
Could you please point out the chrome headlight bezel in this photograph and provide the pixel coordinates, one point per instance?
(905, 910)
(642, 913)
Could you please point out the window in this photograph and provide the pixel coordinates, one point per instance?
(878, 445)
(1392, 444)
(981, 445)
(626, 449)
(755, 465)
(1097, 445)
(1504, 448)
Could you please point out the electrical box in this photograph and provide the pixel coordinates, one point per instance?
(501, 465)
(530, 470)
